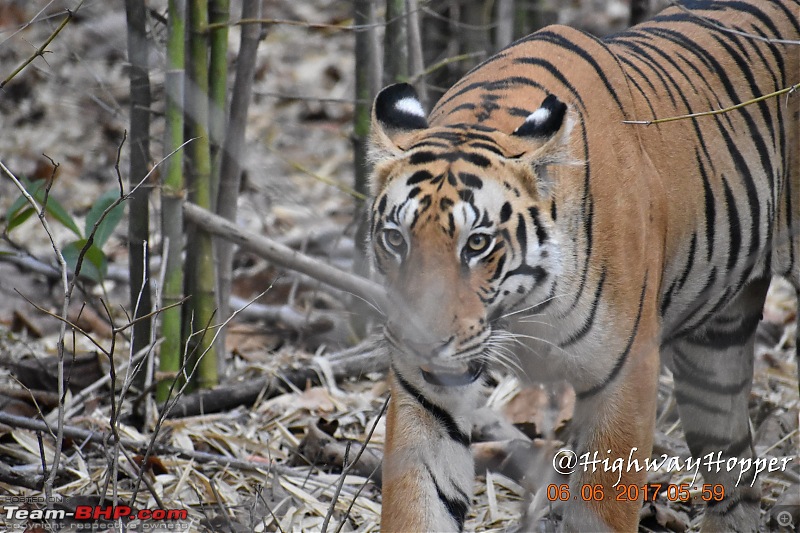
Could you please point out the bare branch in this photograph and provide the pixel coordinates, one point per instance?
(62, 333)
(99, 437)
(285, 256)
(42, 49)
(731, 30)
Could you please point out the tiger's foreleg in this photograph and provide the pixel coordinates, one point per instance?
(615, 423)
(428, 470)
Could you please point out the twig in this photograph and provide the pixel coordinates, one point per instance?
(96, 437)
(338, 490)
(308, 98)
(50, 478)
(328, 181)
(358, 456)
(731, 30)
(443, 63)
(41, 50)
(716, 111)
(363, 358)
(314, 321)
(301, 23)
(285, 256)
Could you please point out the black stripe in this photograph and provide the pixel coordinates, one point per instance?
(489, 86)
(722, 339)
(712, 63)
(488, 147)
(499, 268)
(699, 442)
(456, 507)
(536, 272)
(561, 41)
(522, 237)
(588, 224)
(644, 94)
(555, 72)
(746, 68)
(421, 158)
(623, 356)
(470, 180)
(661, 73)
(735, 240)
(710, 206)
(419, 176)
(442, 416)
(750, 189)
(541, 233)
(690, 374)
(702, 404)
(505, 213)
(584, 329)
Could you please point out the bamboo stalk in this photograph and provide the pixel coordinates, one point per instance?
(368, 77)
(139, 210)
(416, 62)
(199, 255)
(219, 14)
(230, 166)
(172, 193)
(395, 47)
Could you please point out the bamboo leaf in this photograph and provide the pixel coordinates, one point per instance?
(94, 265)
(107, 225)
(53, 207)
(16, 219)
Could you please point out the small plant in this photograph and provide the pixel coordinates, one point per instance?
(97, 228)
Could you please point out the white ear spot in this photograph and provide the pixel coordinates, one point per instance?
(538, 117)
(410, 106)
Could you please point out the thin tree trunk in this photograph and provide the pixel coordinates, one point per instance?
(639, 11)
(231, 165)
(218, 14)
(199, 255)
(504, 32)
(395, 47)
(172, 194)
(368, 79)
(139, 216)
(416, 63)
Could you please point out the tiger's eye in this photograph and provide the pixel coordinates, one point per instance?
(394, 239)
(477, 242)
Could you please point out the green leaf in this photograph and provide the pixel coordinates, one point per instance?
(95, 263)
(54, 208)
(106, 227)
(58, 212)
(18, 218)
(18, 204)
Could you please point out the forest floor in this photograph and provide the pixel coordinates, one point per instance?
(275, 463)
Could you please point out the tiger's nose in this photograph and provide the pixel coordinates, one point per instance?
(430, 350)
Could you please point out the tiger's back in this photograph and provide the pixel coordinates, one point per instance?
(625, 242)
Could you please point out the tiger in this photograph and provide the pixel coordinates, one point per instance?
(525, 222)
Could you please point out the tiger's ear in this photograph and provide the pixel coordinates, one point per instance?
(543, 140)
(545, 121)
(396, 116)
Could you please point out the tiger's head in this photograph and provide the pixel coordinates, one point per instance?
(461, 228)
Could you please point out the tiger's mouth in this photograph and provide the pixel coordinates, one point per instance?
(452, 377)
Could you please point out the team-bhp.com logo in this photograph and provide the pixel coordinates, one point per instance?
(94, 513)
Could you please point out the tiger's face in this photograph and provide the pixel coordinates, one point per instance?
(461, 231)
